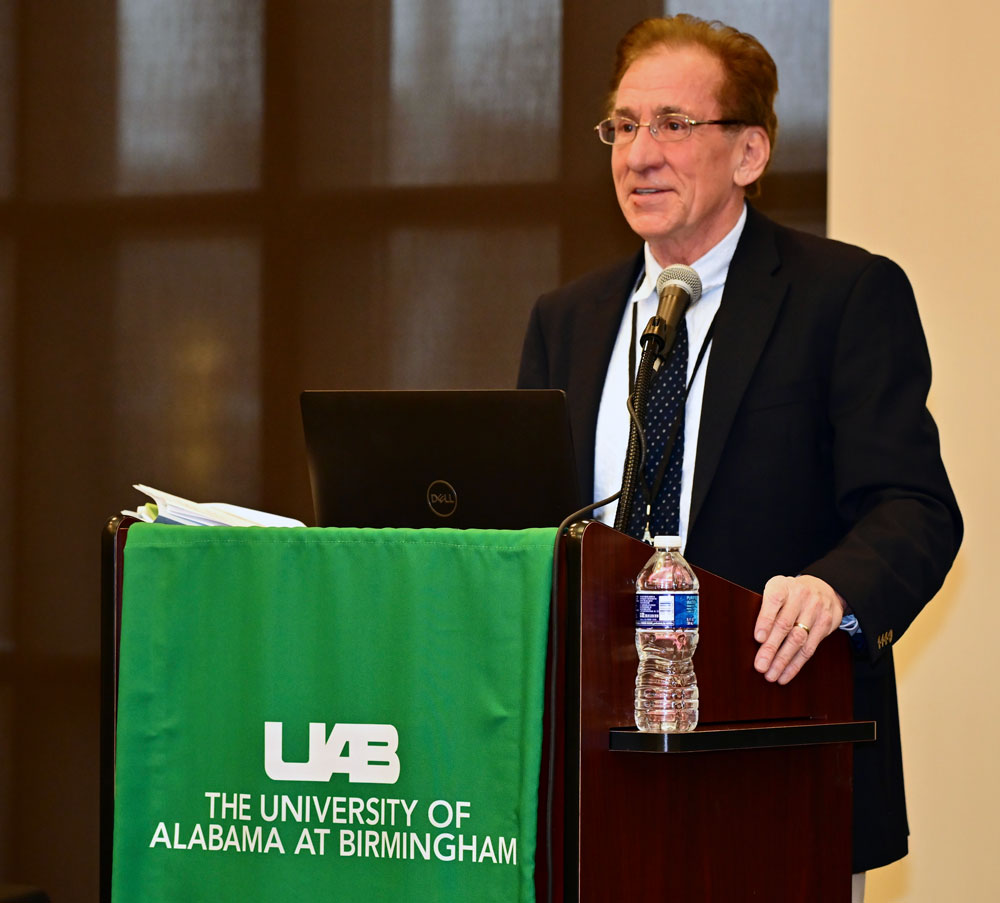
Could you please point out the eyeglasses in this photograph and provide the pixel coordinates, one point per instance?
(621, 130)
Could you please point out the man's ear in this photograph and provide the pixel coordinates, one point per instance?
(752, 151)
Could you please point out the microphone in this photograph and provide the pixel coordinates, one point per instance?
(677, 287)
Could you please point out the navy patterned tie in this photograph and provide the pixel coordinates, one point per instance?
(666, 404)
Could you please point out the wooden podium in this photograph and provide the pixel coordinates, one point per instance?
(755, 804)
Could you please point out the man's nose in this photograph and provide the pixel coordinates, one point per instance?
(644, 151)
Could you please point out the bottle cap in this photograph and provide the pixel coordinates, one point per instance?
(666, 542)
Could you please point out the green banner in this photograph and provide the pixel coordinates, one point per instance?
(349, 715)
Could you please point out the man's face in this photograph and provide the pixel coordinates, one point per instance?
(680, 196)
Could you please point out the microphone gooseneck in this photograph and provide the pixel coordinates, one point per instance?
(677, 287)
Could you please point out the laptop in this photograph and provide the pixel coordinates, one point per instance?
(491, 459)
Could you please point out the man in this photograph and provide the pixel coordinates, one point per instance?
(809, 464)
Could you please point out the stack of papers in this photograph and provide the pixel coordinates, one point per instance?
(171, 509)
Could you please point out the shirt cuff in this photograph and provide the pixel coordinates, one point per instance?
(850, 624)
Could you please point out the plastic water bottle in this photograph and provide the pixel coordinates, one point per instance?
(666, 636)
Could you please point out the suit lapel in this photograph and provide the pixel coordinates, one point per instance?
(751, 300)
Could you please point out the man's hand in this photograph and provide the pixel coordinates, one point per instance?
(796, 615)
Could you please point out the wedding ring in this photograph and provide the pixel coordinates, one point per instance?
(803, 626)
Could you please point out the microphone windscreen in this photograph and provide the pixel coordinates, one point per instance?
(684, 276)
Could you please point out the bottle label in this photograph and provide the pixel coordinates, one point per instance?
(665, 611)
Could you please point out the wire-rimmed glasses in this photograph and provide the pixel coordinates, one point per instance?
(664, 127)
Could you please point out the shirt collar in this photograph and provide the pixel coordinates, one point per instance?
(712, 267)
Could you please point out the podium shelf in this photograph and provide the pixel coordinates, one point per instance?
(720, 737)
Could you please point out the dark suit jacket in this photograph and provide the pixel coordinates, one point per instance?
(816, 453)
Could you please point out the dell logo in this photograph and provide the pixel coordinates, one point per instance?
(442, 498)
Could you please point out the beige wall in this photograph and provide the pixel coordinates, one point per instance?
(914, 160)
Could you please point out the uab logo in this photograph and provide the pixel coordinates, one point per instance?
(364, 752)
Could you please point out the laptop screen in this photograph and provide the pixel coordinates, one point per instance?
(491, 459)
